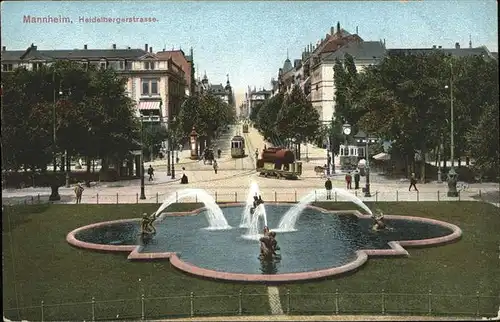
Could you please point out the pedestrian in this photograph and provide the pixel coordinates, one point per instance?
(348, 180)
(219, 152)
(256, 154)
(151, 172)
(215, 166)
(78, 192)
(328, 187)
(413, 182)
(357, 177)
(326, 173)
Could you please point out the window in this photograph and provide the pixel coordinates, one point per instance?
(149, 65)
(122, 64)
(150, 87)
(103, 65)
(37, 66)
(361, 152)
(7, 67)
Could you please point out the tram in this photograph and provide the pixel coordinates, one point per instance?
(279, 163)
(237, 147)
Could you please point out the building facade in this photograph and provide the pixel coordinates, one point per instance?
(185, 62)
(225, 93)
(253, 97)
(156, 85)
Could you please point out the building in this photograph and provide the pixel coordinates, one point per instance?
(185, 62)
(156, 85)
(224, 92)
(253, 97)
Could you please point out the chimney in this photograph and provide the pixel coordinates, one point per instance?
(146, 47)
(433, 46)
(457, 45)
(4, 48)
(356, 30)
(440, 47)
(151, 49)
(332, 30)
(384, 42)
(128, 47)
(85, 47)
(114, 46)
(338, 26)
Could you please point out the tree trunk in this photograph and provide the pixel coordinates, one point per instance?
(467, 161)
(423, 165)
(436, 153)
(459, 161)
(87, 177)
(63, 163)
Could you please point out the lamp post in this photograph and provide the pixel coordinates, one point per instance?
(452, 175)
(367, 142)
(172, 145)
(346, 129)
(54, 195)
(143, 195)
(439, 159)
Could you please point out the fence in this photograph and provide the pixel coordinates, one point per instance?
(192, 305)
(240, 195)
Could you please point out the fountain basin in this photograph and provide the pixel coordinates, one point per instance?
(326, 243)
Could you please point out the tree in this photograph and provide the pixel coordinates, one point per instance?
(483, 142)
(298, 118)
(267, 116)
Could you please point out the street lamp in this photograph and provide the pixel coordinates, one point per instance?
(452, 175)
(54, 196)
(172, 147)
(346, 130)
(143, 195)
(367, 142)
(440, 180)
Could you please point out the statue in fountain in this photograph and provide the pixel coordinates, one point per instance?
(269, 246)
(257, 200)
(379, 220)
(147, 227)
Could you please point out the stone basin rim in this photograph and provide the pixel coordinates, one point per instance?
(396, 249)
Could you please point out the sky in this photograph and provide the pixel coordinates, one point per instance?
(248, 40)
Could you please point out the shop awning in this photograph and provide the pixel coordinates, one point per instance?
(382, 156)
(149, 105)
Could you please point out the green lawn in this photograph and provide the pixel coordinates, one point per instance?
(47, 268)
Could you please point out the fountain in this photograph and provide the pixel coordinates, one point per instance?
(323, 243)
(288, 221)
(214, 214)
(247, 216)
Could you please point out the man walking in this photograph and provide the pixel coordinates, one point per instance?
(413, 182)
(356, 179)
(151, 173)
(215, 166)
(348, 180)
(78, 192)
(328, 187)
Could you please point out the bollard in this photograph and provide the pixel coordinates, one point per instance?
(117, 198)
(240, 303)
(275, 197)
(477, 295)
(93, 308)
(176, 197)
(288, 301)
(438, 195)
(337, 301)
(97, 197)
(136, 198)
(383, 301)
(196, 198)
(191, 298)
(41, 306)
(32, 200)
(157, 198)
(335, 196)
(315, 199)
(142, 307)
(430, 302)
(295, 192)
(216, 196)
(397, 195)
(418, 195)
(38, 196)
(235, 196)
(376, 196)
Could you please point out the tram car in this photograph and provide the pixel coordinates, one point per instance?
(237, 147)
(279, 163)
(245, 128)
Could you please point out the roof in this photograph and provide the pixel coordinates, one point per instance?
(458, 52)
(367, 50)
(217, 88)
(33, 53)
(287, 66)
